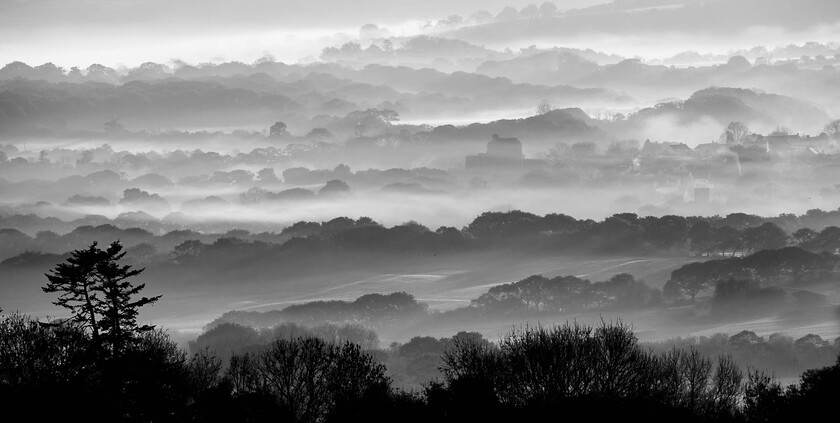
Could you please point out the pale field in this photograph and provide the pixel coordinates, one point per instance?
(444, 284)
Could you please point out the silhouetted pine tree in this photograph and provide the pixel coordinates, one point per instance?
(76, 282)
(96, 289)
(118, 322)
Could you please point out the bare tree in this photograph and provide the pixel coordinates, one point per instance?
(735, 133)
(311, 377)
(727, 385)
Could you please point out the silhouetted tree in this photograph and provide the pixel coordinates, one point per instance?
(118, 308)
(307, 377)
(95, 288)
(688, 280)
(76, 283)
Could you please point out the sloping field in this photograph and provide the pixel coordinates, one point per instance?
(447, 284)
(444, 283)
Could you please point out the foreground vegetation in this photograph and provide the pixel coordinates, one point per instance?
(413, 364)
(569, 370)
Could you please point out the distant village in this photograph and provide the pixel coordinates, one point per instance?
(686, 175)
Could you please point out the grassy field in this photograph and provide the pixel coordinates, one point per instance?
(444, 283)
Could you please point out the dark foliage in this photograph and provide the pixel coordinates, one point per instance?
(227, 339)
(786, 356)
(538, 294)
(96, 289)
(601, 373)
(788, 266)
(371, 310)
(734, 235)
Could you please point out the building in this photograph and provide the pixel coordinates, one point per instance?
(501, 153)
(507, 148)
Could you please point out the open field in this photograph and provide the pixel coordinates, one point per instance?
(444, 283)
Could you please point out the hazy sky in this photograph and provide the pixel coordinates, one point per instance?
(78, 32)
(632, 28)
(129, 32)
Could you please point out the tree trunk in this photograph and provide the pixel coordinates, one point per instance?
(90, 309)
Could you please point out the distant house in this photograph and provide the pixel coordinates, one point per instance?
(795, 147)
(711, 149)
(501, 153)
(508, 148)
(681, 149)
(660, 149)
(779, 144)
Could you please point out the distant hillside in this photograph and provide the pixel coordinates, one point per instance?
(725, 105)
(567, 125)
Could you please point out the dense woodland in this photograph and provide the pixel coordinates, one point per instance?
(735, 234)
(599, 372)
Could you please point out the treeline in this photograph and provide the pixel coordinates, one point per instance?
(571, 370)
(410, 365)
(530, 297)
(733, 235)
(565, 294)
(24, 103)
(227, 339)
(416, 362)
(738, 277)
(736, 233)
(782, 354)
(768, 282)
(371, 310)
(269, 88)
(604, 373)
(49, 175)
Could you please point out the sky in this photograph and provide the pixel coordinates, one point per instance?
(129, 32)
